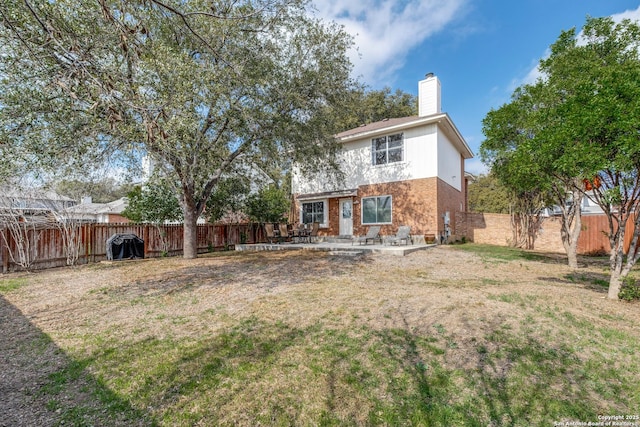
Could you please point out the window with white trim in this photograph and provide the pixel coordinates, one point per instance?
(313, 212)
(376, 210)
(387, 149)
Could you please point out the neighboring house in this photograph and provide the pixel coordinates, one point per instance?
(33, 205)
(589, 207)
(402, 171)
(87, 211)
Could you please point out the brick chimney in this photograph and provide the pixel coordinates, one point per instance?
(429, 102)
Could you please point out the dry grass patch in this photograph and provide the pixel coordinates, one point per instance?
(463, 335)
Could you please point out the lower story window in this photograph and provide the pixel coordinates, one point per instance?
(313, 212)
(376, 210)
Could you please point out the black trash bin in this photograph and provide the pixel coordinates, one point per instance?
(124, 246)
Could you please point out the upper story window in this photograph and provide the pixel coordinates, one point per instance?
(387, 149)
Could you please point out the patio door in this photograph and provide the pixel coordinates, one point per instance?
(346, 217)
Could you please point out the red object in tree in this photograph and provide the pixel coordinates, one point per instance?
(591, 184)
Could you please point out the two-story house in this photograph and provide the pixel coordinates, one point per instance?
(400, 171)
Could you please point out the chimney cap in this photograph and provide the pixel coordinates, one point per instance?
(429, 75)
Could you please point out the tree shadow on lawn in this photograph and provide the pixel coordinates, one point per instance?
(392, 376)
(505, 253)
(591, 281)
(41, 385)
(262, 271)
(561, 258)
(528, 380)
(248, 376)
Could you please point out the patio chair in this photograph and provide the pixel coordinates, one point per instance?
(313, 233)
(284, 232)
(373, 235)
(270, 233)
(402, 234)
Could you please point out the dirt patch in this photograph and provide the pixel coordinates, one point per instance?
(454, 295)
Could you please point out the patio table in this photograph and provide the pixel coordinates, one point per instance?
(302, 235)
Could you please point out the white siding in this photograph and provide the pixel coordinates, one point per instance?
(420, 160)
(313, 184)
(449, 163)
(421, 154)
(429, 98)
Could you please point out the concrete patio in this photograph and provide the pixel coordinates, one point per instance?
(337, 248)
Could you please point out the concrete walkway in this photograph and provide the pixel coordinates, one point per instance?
(336, 248)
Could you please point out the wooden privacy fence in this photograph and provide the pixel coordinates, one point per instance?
(47, 249)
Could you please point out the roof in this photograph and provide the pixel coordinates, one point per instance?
(34, 194)
(397, 124)
(115, 207)
(382, 124)
(33, 199)
(327, 194)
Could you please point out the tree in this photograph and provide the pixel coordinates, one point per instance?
(598, 75)
(71, 231)
(25, 211)
(523, 151)
(269, 204)
(229, 198)
(367, 106)
(198, 85)
(512, 149)
(101, 190)
(580, 123)
(487, 194)
(154, 204)
(20, 232)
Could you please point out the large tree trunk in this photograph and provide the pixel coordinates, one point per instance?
(571, 246)
(615, 283)
(190, 233)
(571, 228)
(620, 271)
(616, 261)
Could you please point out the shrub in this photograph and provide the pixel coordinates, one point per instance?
(630, 289)
(601, 252)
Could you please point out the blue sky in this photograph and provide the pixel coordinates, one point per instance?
(481, 50)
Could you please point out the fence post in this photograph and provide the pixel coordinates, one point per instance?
(86, 237)
(4, 252)
(145, 239)
(92, 242)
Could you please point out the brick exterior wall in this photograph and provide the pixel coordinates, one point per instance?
(334, 219)
(116, 218)
(495, 229)
(449, 200)
(419, 203)
(414, 203)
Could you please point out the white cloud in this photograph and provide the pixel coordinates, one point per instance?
(385, 31)
(534, 74)
(475, 166)
(633, 15)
